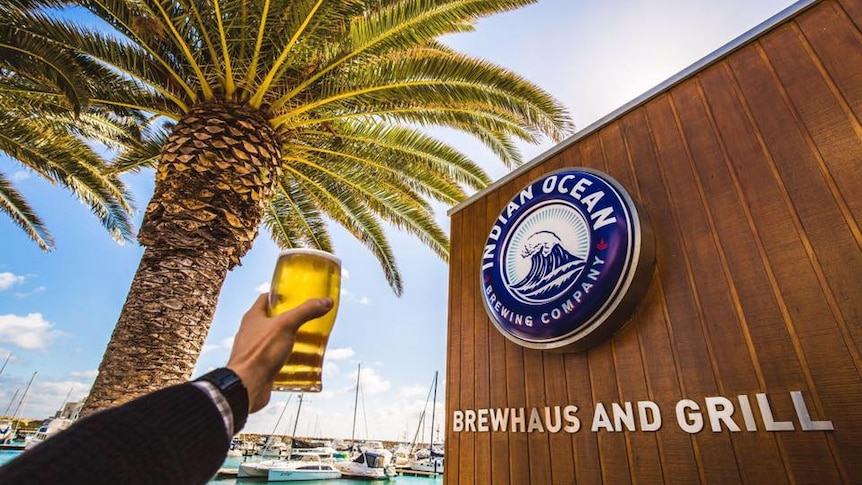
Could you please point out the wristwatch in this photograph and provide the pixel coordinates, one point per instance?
(233, 390)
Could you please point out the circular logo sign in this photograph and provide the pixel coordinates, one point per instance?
(566, 261)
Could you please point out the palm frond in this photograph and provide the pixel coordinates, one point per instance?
(385, 198)
(294, 220)
(16, 207)
(33, 57)
(356, 218)
(60, 157)
(144, 154)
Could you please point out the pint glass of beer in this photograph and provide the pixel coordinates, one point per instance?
(301, 274)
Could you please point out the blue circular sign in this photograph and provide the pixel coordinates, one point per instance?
(566, 261)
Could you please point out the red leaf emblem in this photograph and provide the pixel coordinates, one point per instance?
(602, 245)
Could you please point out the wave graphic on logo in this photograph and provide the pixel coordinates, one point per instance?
(552, 267)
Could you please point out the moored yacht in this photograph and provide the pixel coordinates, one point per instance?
(256, 469)
(51, 426)
(306, 464)
(430, 464)
(311, 457)
(373, 464)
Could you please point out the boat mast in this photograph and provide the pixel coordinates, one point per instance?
(277, 422)
(5, 362)
(296, 421)
(20, 403)
(6, 412)
(433, 409)
(355, 407)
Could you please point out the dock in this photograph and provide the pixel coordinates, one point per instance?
(417, 473)
(227, 472)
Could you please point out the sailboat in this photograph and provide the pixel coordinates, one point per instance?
(301, 465)
(367, 462)
(430, 462)
(261, 468)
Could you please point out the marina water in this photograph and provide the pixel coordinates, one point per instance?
(233, 462)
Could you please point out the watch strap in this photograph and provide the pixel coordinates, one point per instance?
(231, 387)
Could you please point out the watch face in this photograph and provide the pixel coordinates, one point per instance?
(229, 380)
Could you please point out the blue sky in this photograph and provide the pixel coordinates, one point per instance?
(57, 310)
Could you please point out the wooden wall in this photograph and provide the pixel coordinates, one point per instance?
(751, 172)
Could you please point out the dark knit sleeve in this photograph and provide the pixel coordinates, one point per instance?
(172, 436)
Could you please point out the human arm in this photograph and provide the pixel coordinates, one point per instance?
(172, 436)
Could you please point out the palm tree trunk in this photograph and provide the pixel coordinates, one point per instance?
(214, 178)
(163, 324)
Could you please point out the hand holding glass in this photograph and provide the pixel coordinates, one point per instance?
(301, 274)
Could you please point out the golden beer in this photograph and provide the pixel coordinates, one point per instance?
(301, 274)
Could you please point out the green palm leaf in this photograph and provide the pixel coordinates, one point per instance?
(17, 208)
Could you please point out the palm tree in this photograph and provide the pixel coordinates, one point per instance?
(44, 118)
(287, 113)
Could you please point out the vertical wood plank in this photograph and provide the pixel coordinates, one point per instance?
(540, 455)
(562, 458)
(467, 468)
(453, 353)
(519, 449)
(498, 397)
(854, 11)
(481, 377)
(588, 468)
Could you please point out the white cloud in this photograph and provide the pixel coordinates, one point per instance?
(28, 332)
(340, 354)
(348, 296)
(20, 175)
(45, 397)
(8, 279)
(330, 370)
(263, 288)
(207, 348)
(86, 374)
(413, 391)
(372, 383)
(34, 291)
(223, 344)
(345, 275)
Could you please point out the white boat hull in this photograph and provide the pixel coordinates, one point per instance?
(256, 469)
(300, 475)
(427, 465)
(372, 473)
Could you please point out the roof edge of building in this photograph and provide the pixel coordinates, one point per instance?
(717, 55)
